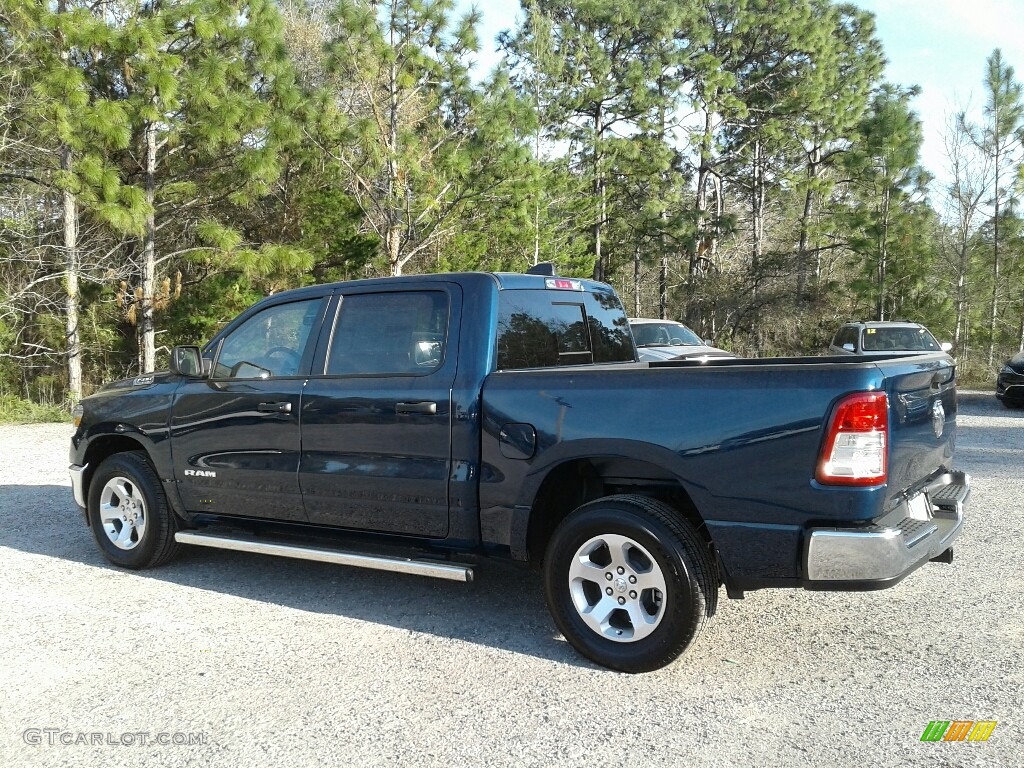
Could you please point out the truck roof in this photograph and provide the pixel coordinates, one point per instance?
(504, 281)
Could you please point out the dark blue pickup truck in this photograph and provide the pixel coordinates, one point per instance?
(410, 423)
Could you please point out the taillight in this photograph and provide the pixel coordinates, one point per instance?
(854, 451)
(563, 284)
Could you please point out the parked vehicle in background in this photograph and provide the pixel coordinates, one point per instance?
(885, 337)
(1010, 382)
(668, 340)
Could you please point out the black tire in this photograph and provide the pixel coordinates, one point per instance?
(681, 561)
(145, 500)
(1013, 405)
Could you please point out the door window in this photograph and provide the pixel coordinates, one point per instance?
(387, 334)
(269, 344)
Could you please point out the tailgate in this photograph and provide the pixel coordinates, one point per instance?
(922, 422)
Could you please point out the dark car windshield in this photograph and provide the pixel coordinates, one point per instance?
(664, 335)
(898, 339)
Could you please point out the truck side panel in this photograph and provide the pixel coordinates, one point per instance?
(741, 439)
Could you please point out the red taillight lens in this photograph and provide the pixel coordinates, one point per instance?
(855, 447)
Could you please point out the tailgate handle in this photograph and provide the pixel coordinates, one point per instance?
(285, 407)
(428, 408)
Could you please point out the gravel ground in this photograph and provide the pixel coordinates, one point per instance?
(274, 662)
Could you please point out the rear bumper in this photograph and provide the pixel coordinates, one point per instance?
(881, 555)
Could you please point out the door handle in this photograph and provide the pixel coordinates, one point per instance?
(429, 408)
(285, 407)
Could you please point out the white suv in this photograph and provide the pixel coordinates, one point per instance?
(886, 337)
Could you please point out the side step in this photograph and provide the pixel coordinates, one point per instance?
(437, 570)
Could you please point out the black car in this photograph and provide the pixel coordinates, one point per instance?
(1010, 382)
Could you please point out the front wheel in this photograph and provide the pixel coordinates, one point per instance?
(629, 582)
(129, 514)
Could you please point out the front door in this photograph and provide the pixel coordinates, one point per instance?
(376, 422)
(235, 436)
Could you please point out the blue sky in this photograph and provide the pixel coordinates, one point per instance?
(940, 45)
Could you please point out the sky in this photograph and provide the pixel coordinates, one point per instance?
(939, 45)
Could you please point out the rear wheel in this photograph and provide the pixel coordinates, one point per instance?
(629, 582)
(129, 514)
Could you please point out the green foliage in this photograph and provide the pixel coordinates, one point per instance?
(16, 410)
(734, 163)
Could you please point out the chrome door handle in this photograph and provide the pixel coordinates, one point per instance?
(285, 407)
(428, 408)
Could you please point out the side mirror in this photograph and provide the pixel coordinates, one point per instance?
(709, 342)
(946, 346)
(848, 347)
(188, 361)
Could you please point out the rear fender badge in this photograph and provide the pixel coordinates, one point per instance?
(938, 418)
(200, 473)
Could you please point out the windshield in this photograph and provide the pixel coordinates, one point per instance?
(664, 335)
(898, 339)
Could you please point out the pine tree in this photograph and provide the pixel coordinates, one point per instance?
(1000, 137)
(889, 187)
(412, 123)
(209, 90)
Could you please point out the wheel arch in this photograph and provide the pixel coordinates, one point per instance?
(572, 480)
(102, 445)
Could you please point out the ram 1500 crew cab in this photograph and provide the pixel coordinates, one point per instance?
(412, 423)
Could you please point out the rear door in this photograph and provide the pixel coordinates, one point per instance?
(235, 435)
(377, 413)
(922, 397)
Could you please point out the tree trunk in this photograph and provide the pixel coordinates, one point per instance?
(600, 268)
(704, 242)
(757, 215)
(72, 342)
(636, 281)
(663, 211)
(147, 329)
(703, 178)
(961, 300)
(802, 265)
(883, 254)
(69, 213)
(995, 259)
(393, 231)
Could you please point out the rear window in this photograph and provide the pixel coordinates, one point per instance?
(547, 328)
(899, 339)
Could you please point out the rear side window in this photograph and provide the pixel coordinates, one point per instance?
(546, 328)
(847, 335)
(387, 334)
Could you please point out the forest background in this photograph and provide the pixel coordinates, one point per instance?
(740, 165)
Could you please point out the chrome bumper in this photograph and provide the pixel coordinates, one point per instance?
(887, 553)
(77, 483)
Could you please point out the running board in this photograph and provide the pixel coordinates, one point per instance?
(437, 570)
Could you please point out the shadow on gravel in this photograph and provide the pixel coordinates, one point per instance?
(503, 609)
(989, 449)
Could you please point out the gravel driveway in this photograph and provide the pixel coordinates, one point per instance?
(231, 659)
